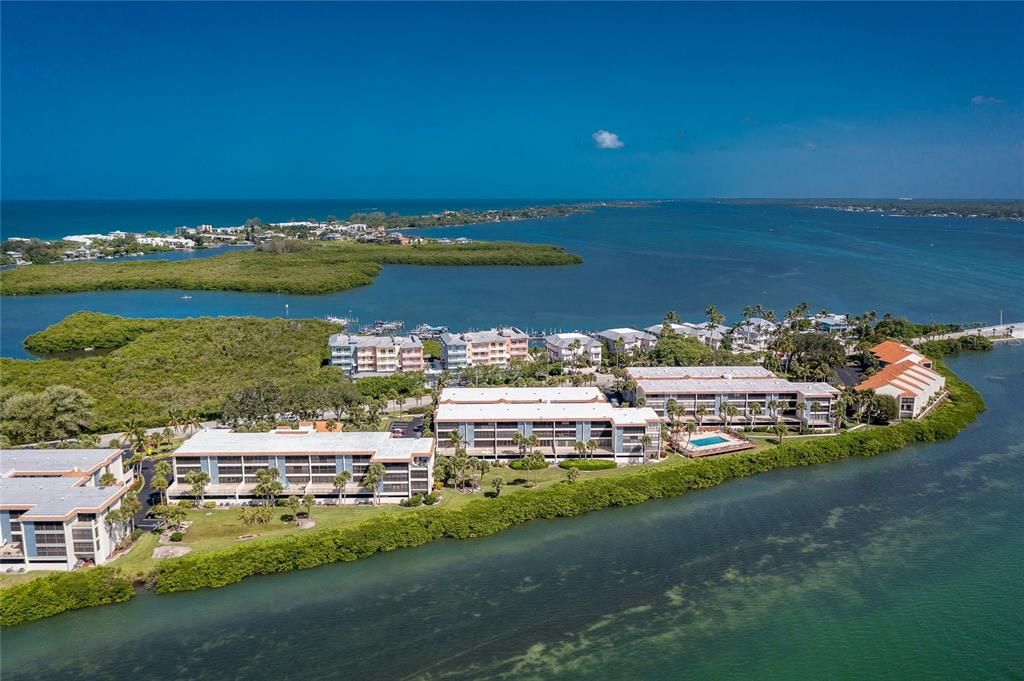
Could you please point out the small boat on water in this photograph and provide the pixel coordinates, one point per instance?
(428, 330)
(186, 297)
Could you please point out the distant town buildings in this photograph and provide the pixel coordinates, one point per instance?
(907, 376)
(571, 347)
(495, 347)
(359, 356)
(54, 508)
(307, 459)
(499, 424)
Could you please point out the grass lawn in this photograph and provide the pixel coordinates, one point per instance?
(7, 580)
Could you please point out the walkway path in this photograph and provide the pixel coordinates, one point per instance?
(1014, 331)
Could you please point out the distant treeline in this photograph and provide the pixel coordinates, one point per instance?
(999, 209)
(311, 268)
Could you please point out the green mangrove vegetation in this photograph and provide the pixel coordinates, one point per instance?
(300, 267)
(62, 591)
(192, 364)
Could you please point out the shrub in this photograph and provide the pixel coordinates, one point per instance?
(209, 504)
(431, 499)
(587, 464)
(414, 500)
(530, 462)
(177, 536)
(53, 594)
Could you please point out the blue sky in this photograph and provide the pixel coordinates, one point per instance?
(155, 100)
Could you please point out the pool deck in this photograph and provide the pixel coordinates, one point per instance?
(731, 444)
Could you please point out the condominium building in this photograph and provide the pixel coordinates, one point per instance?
(307, 459)
(906, 375)
(569, 347)
(704, 332)
(359, 356)
(488, 421)
(831, 323)
(628, 339)
(496, 347)
(755, 333)
(702, 393)
(54, 511)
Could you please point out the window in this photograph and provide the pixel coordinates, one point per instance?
(51, 551)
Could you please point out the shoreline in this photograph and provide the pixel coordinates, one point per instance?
(483, 517)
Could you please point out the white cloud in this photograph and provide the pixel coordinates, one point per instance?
(607, 140)
(981, 100)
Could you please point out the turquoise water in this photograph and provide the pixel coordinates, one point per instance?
(904, 566)
(639, 263)
(705, 441)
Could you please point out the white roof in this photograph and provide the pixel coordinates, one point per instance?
(567, 339)
(53, 460)
(670, 373)
(544, 411)
(304, 441)
(374, 341)
(509, 395)
(55, 497)
(734, 385)
(489, 336)
(625, 333)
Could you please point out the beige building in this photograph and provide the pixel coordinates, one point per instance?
(496, 347)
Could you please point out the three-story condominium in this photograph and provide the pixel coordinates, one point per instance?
(359, 356)
(571, 347)
(499, 424)
(307, 460)
(702, 393)
(54, 510)
(496, 347)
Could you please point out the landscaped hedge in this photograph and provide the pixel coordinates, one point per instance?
(486, 517)
(53, 594)
(526, 464)
(587, 464)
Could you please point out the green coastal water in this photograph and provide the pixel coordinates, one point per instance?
(903, 566)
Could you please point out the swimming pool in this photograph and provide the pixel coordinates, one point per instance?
(706, 441)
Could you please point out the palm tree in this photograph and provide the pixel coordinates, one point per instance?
(700, 412)
(192, 420)
(455, 439)
(340, 480)
(672, 411)
(690, 429)
(774, 406)
(309, 501)
(294, 504)
(780, 431)
(754, 411)
(620, 346)
(268, 486)
(161, 479)
(645, 442)
(197, 481)
(373, 479)
(591, 447)
(580, 447)
(497, 482)
(174, 419)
